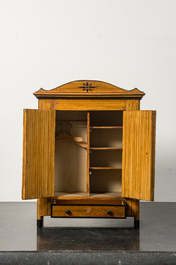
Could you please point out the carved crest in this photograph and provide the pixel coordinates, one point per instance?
(92, 87)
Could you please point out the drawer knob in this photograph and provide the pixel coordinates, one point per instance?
(67, 211)
(109, 212)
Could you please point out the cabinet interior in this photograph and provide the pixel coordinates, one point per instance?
(95, 168)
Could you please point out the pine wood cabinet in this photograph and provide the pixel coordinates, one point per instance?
(88, 151)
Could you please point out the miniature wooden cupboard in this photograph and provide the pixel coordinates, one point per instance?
(88, 151)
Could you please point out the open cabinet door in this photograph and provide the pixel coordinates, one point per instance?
(138, 165)
(38, 154)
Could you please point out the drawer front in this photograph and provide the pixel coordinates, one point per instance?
(109, 211)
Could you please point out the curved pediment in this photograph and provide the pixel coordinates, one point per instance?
(88, 88)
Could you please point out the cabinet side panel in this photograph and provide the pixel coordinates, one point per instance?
(39, 149)
(45, 104)
(43, 207)
(133, 208)
(132, 104)
(138, 154)
(153, 153)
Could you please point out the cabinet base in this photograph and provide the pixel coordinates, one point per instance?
(40, 223)
(136, 223)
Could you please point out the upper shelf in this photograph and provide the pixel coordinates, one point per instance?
(89, 89)
(106, 127)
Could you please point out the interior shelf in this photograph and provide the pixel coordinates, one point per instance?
(106, 148)
(106, 127)
(106, 137)
(82, 195)
(69, 194)
(105, 168)
(106, 194)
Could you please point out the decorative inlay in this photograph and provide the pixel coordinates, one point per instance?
(87, 87)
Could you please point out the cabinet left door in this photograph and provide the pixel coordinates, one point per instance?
(38, 154)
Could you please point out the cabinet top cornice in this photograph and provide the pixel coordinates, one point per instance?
(89, 89)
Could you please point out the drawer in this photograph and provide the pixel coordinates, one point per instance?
(104, 211)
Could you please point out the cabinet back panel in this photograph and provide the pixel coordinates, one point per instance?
(106, 118)
(78, 120)
(71, 115)
(106, 181)
(106, 138)
(70, 167)
(107, 158)
(70, 163)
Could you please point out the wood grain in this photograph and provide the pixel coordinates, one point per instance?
(92, 196)
(138, 152)
(43, 207)
(102, 168)
(38, 154)
(45, 104)
(106, 127)
(105, 148)
(44, 204)
(88, 211)
(88, 104)
(89, 201)
(88, 88)
(133, 208)
(132, 104)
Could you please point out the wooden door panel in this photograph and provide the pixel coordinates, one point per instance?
(38, 154)
(138, 154)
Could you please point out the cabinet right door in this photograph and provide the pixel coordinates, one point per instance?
(138, 161)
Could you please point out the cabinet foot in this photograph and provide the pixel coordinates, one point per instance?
(40, 223)
(136, 223)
